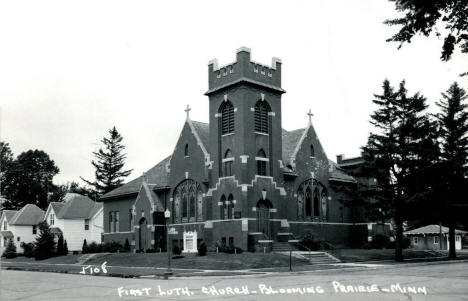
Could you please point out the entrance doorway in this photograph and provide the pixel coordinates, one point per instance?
(142, 234)
(263, 217)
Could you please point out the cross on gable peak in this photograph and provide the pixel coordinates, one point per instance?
(187, 110)
(310, 114)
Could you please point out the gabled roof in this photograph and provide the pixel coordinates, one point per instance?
(30, 214)
(97, 207)
(337, 174)
(9, 214)
(146, 190)
(157, 175)
(203, 131)
(290, 142)
(78, 207)
(432, 229)
(57, 206)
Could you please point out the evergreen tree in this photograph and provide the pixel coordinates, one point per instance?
(44, 246)
(65, 248)
(127, 245)
(84, 248)
(109, 164)
(398, 154)
(10, 250)
(453, 124)
(60, 246)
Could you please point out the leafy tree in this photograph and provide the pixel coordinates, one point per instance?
(10, 250)
(28, 179)
(109, 164)
(453, 124)
(44, 246)
(399, 154)
(422, 17)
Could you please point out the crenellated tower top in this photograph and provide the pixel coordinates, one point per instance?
(244, 70)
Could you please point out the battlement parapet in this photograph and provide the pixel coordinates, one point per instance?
(244, 69)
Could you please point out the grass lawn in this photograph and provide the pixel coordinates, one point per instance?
(353, 255)
(59, 259)
(212, 261)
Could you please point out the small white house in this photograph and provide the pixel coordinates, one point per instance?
(20, 225)
(434, 237)
(76, 218)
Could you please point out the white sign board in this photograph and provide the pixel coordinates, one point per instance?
(190, 242)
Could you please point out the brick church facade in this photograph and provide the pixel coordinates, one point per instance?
(240, 180)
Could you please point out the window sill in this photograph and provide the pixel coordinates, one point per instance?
(228, 134)
(186, 156)
(261, 133)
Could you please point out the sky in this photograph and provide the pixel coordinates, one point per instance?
(69, 71)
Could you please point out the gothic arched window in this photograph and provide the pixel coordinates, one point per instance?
(312, 151)
(261, 163)
(188, 201)
(222, 205)
(186, 150)
(261, 116)
(227, 117)
(227, 161)
(312, 197)
(316, 202)
(308, 202)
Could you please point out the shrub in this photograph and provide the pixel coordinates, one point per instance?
(202, 249)
(230, 250)
(10, 250)
(84, 248)
(94, 248)
(176, 250)
(379, 241)
(309, 242)
(65, 248)
(127, 245)
(367, 246)
(60, 246)
(112, 247)
(28, 249)
(151, 250)
(44, 246)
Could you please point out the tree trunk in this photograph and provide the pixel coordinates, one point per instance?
(398, 240)
(452, 253)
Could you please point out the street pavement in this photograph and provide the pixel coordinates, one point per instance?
(417, 281)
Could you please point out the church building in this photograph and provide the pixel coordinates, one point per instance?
(241, 179)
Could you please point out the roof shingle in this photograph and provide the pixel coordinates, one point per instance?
(30, 214)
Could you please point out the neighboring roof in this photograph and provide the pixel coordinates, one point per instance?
(157, 175)
(7, 234)
(30, 214)
(432, 229)
(97, 207)
(290, 141)
(9, 214)
(79, 207)
(55, 230)
(57, 206)
(337, 174)
(203, 131)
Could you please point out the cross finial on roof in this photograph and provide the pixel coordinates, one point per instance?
(187, 110)
(310, 116)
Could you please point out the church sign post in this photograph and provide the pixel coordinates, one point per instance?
(167, 215)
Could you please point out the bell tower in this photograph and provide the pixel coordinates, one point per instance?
(245, 119)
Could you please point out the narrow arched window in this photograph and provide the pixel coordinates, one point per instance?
(308, 202)
(227, 118)
(316, 203)
(222, 205)
(227, 161)
(261, 163)
(192, 204)
(186, 150)
(261, 116)
(230, 206)
(312, 151)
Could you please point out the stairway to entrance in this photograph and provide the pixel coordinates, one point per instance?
(314, 257)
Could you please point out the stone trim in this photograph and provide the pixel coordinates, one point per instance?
(262, 159)
(228, 159)
(245, 186)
